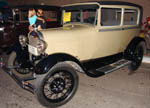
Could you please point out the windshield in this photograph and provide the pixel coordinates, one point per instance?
(6, 15)
(82, 16)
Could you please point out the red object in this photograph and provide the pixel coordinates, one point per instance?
(147, 19)
(146, 27)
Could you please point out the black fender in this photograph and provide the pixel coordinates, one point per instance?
(16, 48)
(22, 54)
(47, 63)
(132, 46)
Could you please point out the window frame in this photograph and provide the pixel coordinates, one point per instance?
(138, 17)
(122, 16)
(110, 8)
(81, 13)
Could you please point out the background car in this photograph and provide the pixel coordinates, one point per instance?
(14, 22)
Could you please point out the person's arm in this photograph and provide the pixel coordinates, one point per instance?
(30, 28)
(41, 19)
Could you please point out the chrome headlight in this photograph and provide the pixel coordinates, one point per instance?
(1, 28)
(41, 46)
(23, 40)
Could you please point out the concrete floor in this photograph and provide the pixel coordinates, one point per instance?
(120, 89)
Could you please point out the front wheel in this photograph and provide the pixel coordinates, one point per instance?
(57, 86)
(137, 57)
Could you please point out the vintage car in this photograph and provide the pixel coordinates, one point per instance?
(97, 38)
(14, 22)
(6, 27)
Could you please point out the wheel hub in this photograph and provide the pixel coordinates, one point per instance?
(57, 85)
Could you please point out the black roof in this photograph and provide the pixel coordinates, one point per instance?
(44, 7)
(118, 3)
(103, 3)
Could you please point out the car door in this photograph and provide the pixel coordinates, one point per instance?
(130, 25)
(109, 33)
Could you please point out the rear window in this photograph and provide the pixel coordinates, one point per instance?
(130, 17)
(110, 16)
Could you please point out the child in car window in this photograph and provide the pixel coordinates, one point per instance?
(33, 20)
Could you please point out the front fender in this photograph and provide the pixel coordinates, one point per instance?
(47, 63)
(21, 54)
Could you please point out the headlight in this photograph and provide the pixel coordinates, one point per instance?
(1, 28)
(23, 40)
(41, 46)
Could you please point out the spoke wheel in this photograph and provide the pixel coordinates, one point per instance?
(56, 87)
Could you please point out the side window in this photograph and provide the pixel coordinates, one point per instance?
(51, 15)
(17, 16)
(24, 16)
(21, 16)
(130, 17)
(110, 16)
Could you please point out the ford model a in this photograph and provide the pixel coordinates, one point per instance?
(96, 39)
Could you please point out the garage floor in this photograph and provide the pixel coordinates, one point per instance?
(120, 89)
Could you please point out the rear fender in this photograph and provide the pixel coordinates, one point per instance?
(132, 46)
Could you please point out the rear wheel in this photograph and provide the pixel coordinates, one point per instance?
(56, 87)
(137, 57)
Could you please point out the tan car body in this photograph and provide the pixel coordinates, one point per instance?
(85, 41)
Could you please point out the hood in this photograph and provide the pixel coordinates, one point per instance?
(68, 29)
(66, 38)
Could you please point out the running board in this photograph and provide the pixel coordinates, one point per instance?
(109, 68)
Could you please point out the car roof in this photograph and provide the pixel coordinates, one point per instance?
(118, 3)
(103, 3)
(44, 7)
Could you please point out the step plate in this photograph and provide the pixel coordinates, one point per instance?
(112, 67)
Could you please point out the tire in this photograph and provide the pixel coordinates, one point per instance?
(64, 77)
(137, 57)
(12, 62)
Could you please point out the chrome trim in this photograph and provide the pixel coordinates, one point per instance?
(117, 29)
(131, 28)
